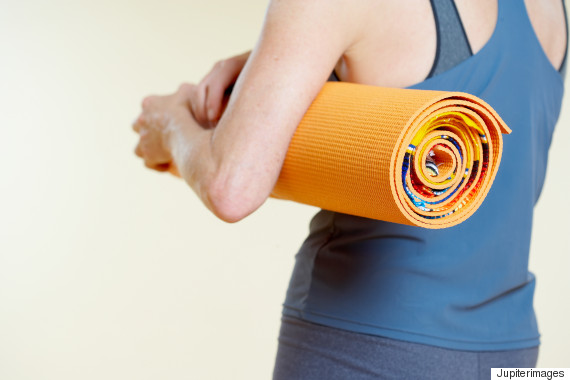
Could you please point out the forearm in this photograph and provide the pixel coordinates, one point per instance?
(217, 170)
(233, 167)
(191, 150)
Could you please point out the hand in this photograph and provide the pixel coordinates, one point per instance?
(212, 93)
(160, 114)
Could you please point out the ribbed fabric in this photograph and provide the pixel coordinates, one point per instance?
(465, 287)
(452, 44)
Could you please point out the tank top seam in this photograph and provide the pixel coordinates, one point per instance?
(356, 323)
(331, 234)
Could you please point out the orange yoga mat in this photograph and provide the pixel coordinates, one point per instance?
(416, 157)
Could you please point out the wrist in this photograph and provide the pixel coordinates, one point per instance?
(188, 144)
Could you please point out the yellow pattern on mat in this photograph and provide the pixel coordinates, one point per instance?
(355, 141)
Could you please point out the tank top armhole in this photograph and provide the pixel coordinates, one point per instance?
(333, 77)
(562, 69)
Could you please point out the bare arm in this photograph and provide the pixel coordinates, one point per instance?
(234, 167)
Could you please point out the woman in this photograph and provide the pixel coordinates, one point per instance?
(371, 299)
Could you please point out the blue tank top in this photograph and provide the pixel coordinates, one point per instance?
(466, 287)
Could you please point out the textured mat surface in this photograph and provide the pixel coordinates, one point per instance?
(416, 157)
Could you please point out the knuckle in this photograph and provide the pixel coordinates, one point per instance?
(138, 151)
(220, 64)
(185, 88)
(148, 101)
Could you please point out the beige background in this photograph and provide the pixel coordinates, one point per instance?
(110, 271)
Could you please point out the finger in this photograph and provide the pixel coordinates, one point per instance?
(225, 77)
(188, 97)
(213, 85)
(185, 91)
(172, 169)
(138, 123)
(152, 149)
(207, 110)
(163, 167)
(138, 151)
(197, 103)
(147, 101)
(153, 157)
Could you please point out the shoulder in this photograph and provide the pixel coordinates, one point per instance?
(397, 46)
(548, 20)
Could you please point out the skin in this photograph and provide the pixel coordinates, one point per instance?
(231, 154)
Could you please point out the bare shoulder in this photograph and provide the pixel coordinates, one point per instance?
(548, 21)
(398, 45)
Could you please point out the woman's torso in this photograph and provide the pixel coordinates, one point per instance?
(465, 287)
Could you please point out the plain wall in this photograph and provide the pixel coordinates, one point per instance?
(111, 271)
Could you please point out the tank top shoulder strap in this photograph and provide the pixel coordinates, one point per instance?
(452, 44)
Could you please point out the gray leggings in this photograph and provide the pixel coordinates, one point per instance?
(308, 351)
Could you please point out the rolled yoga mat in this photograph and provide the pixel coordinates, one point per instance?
(416, 157)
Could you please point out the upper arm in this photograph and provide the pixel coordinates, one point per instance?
(300, 43)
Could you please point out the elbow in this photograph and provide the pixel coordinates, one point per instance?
(232, 202)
